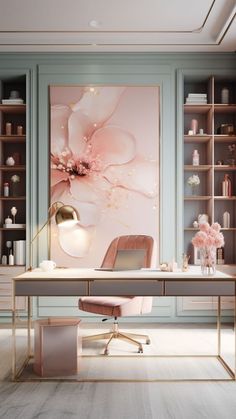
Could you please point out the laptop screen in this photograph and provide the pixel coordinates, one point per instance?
(128, 259)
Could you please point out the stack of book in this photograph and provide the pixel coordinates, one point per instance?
(196, 99)
(12, 101)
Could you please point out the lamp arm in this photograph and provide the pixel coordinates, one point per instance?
(54, 206)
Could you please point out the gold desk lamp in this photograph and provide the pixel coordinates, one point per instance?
(65, 215)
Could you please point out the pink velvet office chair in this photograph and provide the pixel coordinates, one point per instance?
(122, 306)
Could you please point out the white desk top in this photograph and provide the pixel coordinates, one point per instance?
(193, 273)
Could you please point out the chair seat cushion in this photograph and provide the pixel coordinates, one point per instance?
(111, 306)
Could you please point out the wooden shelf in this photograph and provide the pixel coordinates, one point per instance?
(13, 108)
(197, 138)
(228, 229)
(12, 198)
(221, 108)
(200, 168)
(13, 138)
(205, 108)
(224, 168)
(12, 229)
(225, 198)
(224, 138)
(13, 168)
(12, 266)
(197, 198)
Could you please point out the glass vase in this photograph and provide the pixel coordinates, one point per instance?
(15, 190)
(194, 190)
(208, 260)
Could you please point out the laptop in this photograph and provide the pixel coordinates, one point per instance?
(127, 259)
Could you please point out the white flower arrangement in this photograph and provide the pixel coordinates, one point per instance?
(193, 180)
(15, 178)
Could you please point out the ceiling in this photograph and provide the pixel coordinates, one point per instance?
(118, 25)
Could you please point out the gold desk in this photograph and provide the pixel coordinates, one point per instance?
(85, 282)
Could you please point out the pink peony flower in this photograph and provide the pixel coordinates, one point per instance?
(204, 227)
(199, 239)
(216, 227)
(208, 237)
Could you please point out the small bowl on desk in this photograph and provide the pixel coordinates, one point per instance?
(47, 265)
(164, 267)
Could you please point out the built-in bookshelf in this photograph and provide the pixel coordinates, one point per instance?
(214, 138)
(12, 194)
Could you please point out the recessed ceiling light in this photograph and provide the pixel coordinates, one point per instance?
(94, 23)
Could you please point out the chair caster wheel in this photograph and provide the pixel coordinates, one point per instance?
(140, 350)
(148, 342)
(106, 352)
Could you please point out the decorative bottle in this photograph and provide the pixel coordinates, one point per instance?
(6, 189)
(194, 126)
(195, 158)
(11, 259)
(226, 186)
(4, 260)
(225, 95)
(8, 128)
(226, 219)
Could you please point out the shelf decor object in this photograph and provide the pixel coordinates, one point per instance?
(194, 182)
(208, 239)
(232, 154)
(15, 184)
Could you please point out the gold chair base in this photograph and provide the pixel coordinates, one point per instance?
(116, 334)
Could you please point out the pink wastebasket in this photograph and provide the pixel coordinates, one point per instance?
(57, 346)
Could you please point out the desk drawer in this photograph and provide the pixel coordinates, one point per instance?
(55, 288)
(126, 287)
(199, 288)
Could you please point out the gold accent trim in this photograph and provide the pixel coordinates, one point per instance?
(226, 30)
(232, 374)
(227, 367)
(129, 380)
(197, 30)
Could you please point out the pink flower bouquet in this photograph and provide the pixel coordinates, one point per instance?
(208, 239)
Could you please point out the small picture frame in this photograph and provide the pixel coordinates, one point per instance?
(196, 256)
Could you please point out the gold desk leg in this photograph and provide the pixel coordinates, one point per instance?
(231, 371)
(14, 334)
(29, 326)
(235, 335)
(219, 326)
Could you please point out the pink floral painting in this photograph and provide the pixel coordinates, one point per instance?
(104, 162)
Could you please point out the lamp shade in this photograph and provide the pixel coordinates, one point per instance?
(66, 215)
(74, 239)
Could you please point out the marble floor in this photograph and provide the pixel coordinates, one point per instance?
(176, 400)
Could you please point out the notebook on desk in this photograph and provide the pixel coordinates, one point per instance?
(127, 259)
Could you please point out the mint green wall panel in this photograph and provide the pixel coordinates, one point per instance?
(164, 69)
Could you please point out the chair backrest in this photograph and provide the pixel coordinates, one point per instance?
(130, 242)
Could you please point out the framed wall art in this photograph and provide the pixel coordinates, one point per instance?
(104, 146)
